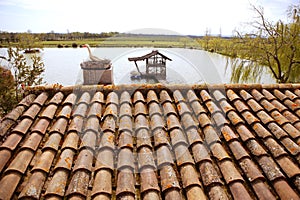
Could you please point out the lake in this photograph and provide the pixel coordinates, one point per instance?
(190, 66)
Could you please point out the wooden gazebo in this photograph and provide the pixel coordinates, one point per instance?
(155, 64)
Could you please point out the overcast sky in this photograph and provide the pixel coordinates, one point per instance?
(192, 17)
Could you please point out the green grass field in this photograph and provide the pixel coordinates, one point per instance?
(163, 42)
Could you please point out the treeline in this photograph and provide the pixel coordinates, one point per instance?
(11, 37)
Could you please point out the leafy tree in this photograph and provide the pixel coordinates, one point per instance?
(27, 72)
(28, 41)
(271, 46)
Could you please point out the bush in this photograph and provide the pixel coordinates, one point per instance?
(7, 95)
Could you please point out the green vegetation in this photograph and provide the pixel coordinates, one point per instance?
(27, 71)
(273, 47)
(7, 99)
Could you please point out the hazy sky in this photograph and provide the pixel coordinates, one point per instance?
(184, 17)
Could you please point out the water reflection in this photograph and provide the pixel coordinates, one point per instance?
(188, 65)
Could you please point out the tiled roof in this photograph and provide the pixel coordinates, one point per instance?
(153, 142)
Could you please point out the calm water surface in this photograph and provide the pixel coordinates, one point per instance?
(187, 66)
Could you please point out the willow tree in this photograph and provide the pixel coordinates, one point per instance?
(273, 47)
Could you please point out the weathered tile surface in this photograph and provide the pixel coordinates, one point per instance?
(181, 142)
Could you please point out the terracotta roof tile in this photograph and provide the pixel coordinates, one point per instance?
(84, 98)
(231, 175)
(98, 98)
(65, 160)
(76, 124)
(112, 98)
(284, 191)
(217, 192)
(45, 161)
(275, 148)
(105, 159)
(262, 191)
(125, 184)
(168, 178)
(21, 161)
(109, 124)
(173, 122)
(140, 109)
(125, 124)
(200, 153)
(164, 156)
(178, 97)
(57, 185)
(297, 92)
(125, 110)
(125, 98)
(226, 107)
(34, 186)
(78, 184)
(219, 119)
(95, 110)
(41, 126)
(209, 174)
(239, 191)
(155, 108)
(41, 99)
(160, 138)
(8, 184)
(211, 136)
(288, 166)
(107, 142)
(270, 168)
(169, 109)
(84, 160)
(23, 126)
(125, 159)
(126, 140)
(5, 156)
(32, 142)
(193, 136)
(149, 181)
(183, 156)
(65, 112)
(238, 150)
(71, 141)
(183, 108)
(152, 97)
(241, 106)
(32, 112)
(177, 137)
(255, 148)
(145, 158)
(5, 125)
(143, 138)
(244, 133)
(138, 97)
(291, 146)
(27, 101)
(11, 142)
(141, 122)
(164, 97)
(251, 170)
(205, 96)
(157, 122)
(111, 110)
(80, 110)
(232, 96)
(203, 120)
(104, 177)
(70, 99)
